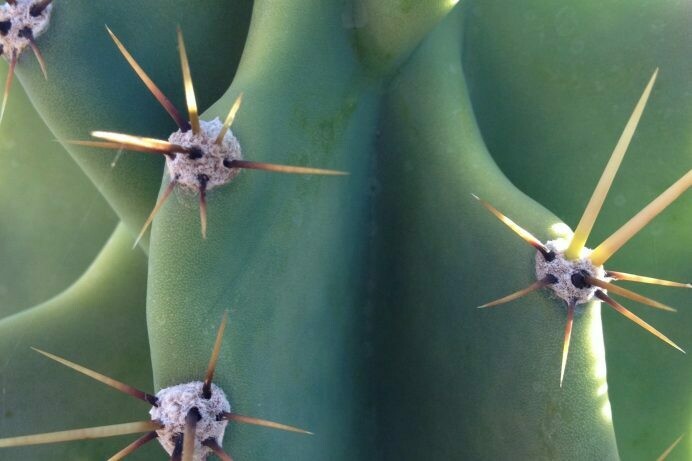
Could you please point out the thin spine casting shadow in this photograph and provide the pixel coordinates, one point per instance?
(200, 155)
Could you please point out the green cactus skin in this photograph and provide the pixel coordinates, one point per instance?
(351, 300)
(575, 103)
(54, 221)
(100, 322)
(280, 249)
(458, 382)
(91, 86)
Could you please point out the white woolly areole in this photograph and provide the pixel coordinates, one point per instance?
(187, 171)
(20, 18)
(174, 404)
(563, 269)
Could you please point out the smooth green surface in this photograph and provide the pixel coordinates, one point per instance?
(91, 86)
(386, 31)
(286, 256)
(53, 220)
(553, 88)
(352, 299)
(99, 323)
(284, 253)
(457, 382)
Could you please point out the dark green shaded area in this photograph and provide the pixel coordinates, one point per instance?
(54, 221)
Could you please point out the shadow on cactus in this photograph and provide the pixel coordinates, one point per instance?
(200, 155)
(189, 419)
(575, 273)
(21, 22)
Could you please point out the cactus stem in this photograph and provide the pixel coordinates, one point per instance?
(568, 336)
(39, 57)
(206, 388)
(81, 434)
(122, 387)
(166, 407)
(517, 229)
(624, 311)
(612, 244)
(191, 420)
(134, 446)
(627, 293)
(214, 446)
(187, 80)
(151, 86)
(229, 119)
(262, 422)
(518, 294)
(665, 454)
(8, 85)
(581, 234)
(282, 168)
(164, 197)
(642, 279)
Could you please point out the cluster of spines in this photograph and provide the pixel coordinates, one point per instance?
(608, 247)
(184, 448)
(112, 140)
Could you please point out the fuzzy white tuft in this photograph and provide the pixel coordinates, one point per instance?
(20, 17)
(174, 404)
(187, 171)
(563, 269)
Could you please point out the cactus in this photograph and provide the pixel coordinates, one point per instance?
(350, 299)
